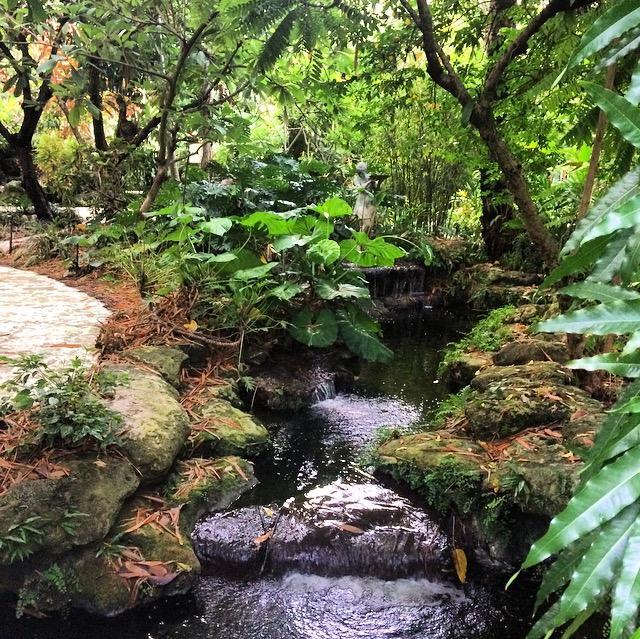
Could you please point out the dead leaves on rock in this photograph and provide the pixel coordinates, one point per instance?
(137, 571)
(13, 472)
(164, 521)
(194, 472)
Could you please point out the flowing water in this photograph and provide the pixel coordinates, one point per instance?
(312, 449)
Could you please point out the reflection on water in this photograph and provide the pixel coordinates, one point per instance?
(323, 443)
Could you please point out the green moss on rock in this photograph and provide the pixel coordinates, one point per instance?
(508, 408)
(156, 426)
(208, 485)
(164, 359)
(226, 430)
(76, 509)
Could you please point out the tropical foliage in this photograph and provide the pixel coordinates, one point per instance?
(596, 538)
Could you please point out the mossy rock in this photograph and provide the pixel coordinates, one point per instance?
(156, 426)
(164, 359)
(532, 349)
(429, 450)
(527, 313)
(447, 471)
(539, 475)
(87, 579)
(68, 511)
(229, 431)
(226, 391)
(460, 370)
(208, 485)
(533, 473)
(542, 372)
(508, 407)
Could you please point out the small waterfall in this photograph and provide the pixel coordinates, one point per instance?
(396, 281)
(323, 391)
(334, 530)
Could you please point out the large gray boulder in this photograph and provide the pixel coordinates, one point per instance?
(156, 426)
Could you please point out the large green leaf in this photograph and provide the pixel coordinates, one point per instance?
(319, 330)
(602, 560)
(364, 251)
(608, 265)
(359, 333)
(335, 207)
(583, 258)
(615, 487)
(275, 223)
(324, 252)
(615, 22)
(559, 573)
(625, 217)
(599, 292)
(216, 225)
(633, 92)
(285, 242)
(615, 426)
(623, 190)
(255, 273)
(329, 290)
(619, 318)
(631, 260)
(285, 291)
(621, 113)
(633, 344)
(179, 234)
(614, 363)
(626, 595)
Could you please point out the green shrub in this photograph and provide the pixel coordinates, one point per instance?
(489, 334)
(64, 404)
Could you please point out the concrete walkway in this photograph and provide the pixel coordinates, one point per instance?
(39, 315)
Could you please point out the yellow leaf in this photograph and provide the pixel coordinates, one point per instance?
(260, 539)
(354, 530)
(100, 464)
(191, 326)
(460, 564)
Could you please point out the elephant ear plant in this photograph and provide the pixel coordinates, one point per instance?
(268, 272)
(595, 540)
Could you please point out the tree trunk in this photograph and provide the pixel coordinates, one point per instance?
(594, 162)
(514, 180)
(497, 210)
(31, 184)
(152, 193)
(95, 95)
(207, 155)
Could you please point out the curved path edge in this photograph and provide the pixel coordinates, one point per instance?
(39, 315)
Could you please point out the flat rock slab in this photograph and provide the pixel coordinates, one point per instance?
(39, 315)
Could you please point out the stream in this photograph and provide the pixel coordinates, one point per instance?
(313, 449)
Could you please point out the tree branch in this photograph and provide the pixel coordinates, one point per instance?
(520, 43)
(6, 134)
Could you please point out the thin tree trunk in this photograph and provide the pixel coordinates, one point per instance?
(594, 162)
(174, 172)
(95, 95)
(74, 129)
(207, 155)
(152, 193)
(41, 206)
(515, 181)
